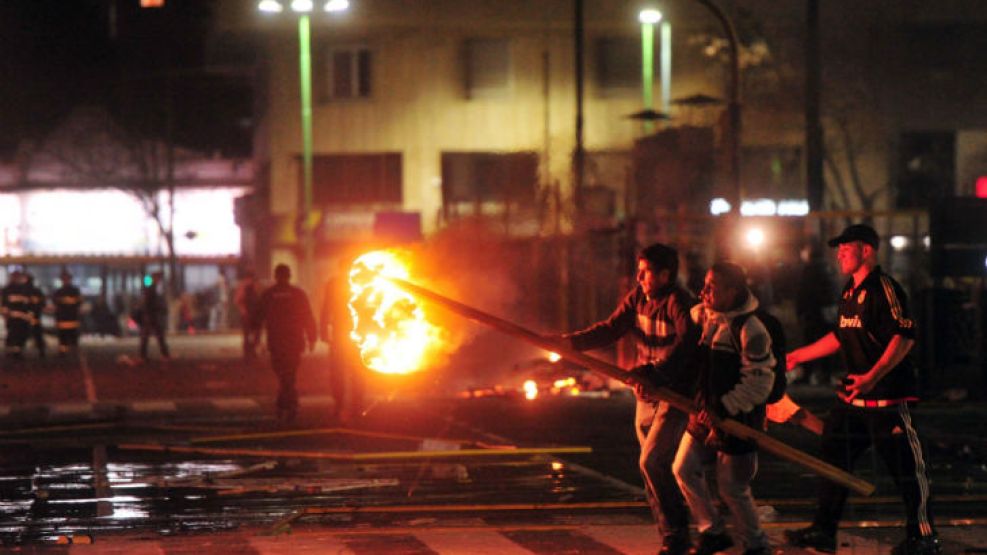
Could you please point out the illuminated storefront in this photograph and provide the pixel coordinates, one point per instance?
(109, 222)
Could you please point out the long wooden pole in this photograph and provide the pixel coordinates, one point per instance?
(678, 401)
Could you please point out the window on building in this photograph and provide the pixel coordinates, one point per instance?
(347, 179)
(475, 177)
(488, 65)
(618, 63)
(349, 73)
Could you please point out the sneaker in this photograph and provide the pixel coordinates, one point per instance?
(712, 543)
(674, 544)
(918, 545)
(813, 537)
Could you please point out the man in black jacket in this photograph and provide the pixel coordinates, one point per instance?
(874, 333)
(656, 315)
(286, 315)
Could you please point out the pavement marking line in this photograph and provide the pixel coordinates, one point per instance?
(289, 545)
(154, 406)
(616, 482)
(474, 542)
(87, 376)
(235, 403)
(626, 538)
(71, 408)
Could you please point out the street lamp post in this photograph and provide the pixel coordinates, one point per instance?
(733, 105)
(303, 8)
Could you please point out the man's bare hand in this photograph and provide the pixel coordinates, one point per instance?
(792, 360)
(856, 385)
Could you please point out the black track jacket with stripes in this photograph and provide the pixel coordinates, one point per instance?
(870, 315)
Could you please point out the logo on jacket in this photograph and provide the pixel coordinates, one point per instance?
(853, 322)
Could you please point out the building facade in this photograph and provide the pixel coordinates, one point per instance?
(426, 113)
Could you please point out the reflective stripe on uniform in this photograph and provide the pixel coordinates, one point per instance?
(880, 403)
(22, 315)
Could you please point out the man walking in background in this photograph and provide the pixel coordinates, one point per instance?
(286, 315)
(152, 317)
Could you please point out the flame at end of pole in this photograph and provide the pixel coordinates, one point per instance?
(389, 326)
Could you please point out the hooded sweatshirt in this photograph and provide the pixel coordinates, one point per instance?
(738, 372)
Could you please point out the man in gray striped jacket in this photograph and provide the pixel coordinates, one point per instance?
(656, 315)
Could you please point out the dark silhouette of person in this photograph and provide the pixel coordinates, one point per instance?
(815, 306)
(153, 315)
(38, 302)
(345, 369)
(246, 298)
(16, 301)
(68, 301)
(286, 315)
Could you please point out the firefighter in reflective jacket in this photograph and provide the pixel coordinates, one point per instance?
(17, 310)
(38, 302)
(68, 300)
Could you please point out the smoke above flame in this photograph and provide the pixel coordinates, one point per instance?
(389, 326)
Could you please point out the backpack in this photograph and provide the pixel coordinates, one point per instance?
(777, 334)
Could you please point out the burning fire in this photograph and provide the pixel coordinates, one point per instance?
(389, 327)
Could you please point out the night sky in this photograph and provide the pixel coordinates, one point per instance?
(58, 55)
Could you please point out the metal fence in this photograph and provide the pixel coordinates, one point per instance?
(573, 280)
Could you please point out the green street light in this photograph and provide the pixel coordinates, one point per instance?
(304, 8)
(648, 18)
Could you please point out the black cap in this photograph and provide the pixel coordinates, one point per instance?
(856, 232)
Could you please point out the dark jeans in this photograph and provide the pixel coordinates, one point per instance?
(150, 327)
(18, 331)
(68, 338)
(849, 432)
(249, 343)
(285, 365)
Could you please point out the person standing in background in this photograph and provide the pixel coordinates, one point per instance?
(68, 301)
(153, 316)
(246, 298)
(38, 302)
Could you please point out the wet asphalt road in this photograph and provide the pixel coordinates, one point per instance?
(80, 458)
